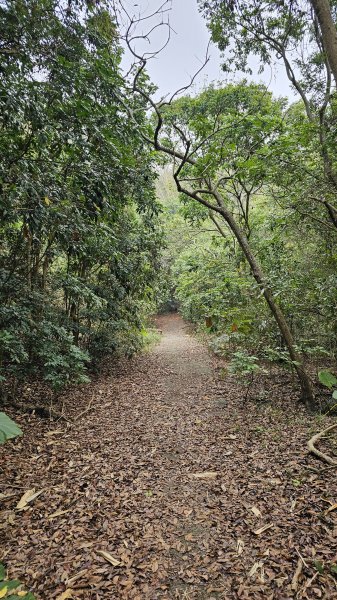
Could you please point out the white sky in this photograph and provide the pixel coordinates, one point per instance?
(186, 51)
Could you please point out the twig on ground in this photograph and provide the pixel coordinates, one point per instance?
(307, 585)
(302, 559)
(299, 568)
(86, 410)
(318, 453)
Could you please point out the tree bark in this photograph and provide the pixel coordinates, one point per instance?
(307, 392)
(329, 32)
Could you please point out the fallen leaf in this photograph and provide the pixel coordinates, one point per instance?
(239, 547)
(113, 561)
(331, 508)
(78, 575)
(205, 475)
(263, 529)
(256, 511)
(3, 592)
(58, 513)
(67, 594)
(27, 497)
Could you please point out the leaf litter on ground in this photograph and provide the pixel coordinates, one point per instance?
(138, 479)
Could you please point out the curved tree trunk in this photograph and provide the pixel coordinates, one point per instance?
(304, 379)
(329, 32)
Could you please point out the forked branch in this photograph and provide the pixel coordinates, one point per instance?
(315, 438)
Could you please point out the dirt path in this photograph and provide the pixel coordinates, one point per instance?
(171, 473)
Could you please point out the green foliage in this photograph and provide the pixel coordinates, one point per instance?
(79, 217)
(330, 381)
(327, 379)
(7, 586)
(264, 157)
(244, 364)
(8, 429)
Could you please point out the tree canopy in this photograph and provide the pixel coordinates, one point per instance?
(78, 208)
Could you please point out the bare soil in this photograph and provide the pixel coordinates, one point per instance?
(195, 492)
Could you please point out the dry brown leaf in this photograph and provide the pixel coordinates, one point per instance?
(240, 546)
(67, 594)
(113, 561)
(294, 582)
(76, 577)
(263, 529)
(155, 566)
(256, 511)
(27, 497)
(205, 475)
(58, 513)
(255, 567)
(331, 508)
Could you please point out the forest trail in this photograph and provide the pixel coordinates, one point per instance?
(194, 493)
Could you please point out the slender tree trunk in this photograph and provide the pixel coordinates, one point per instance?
(304, 379)
(306, 386)
(29, 263)
(45, 267)
(328, 29)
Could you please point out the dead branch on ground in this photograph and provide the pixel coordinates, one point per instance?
(318, 453)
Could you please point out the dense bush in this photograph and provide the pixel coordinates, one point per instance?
(77, 203)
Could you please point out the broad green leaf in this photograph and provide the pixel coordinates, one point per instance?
(334, 395)
(8, 428)
(9, 585)
(319, 566)
(327, 379)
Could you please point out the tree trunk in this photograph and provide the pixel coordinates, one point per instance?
(306, 386)
(304, 379)
(329, 32)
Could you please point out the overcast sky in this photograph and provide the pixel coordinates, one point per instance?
(186, 51)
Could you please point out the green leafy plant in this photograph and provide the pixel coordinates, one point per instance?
(78, 212)
(12, 589)
(330, 381)
(327, 379)
(8, 428)
(244, 365)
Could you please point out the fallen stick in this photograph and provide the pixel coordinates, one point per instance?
(86, 410)
(294, 583)
(318, 453)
